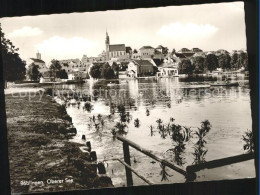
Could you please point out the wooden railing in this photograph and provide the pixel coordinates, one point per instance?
(189, 173)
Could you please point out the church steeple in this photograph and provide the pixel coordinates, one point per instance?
(107, 46)
(107, 39)
(38, 55)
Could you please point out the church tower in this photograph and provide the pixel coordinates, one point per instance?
(107, 46)
(38, 55)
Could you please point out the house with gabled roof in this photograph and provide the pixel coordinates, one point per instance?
(147, 52)
(139, 68)
(38, 62)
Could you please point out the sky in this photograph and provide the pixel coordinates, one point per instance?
(64, 36)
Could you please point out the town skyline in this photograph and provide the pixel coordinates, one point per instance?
(84, 33)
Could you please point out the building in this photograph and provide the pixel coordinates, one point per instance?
(162, 49)
(185, 50)
(77, 76)
(196, 50)
(116, 51)
(47, 77)
(73, 65)
(169, 68)
(139, 68)
(39, 62)
(147, 52)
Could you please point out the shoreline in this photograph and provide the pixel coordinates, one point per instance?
(41, 158)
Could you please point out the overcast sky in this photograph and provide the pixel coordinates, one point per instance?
(64, 36)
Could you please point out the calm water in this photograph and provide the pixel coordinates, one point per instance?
(189, 103)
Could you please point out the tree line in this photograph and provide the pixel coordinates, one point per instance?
(200, 64)
(55, 69)
(104, 71)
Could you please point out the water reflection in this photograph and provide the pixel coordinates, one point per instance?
(113, 108)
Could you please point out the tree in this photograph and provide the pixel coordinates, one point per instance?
(234, 61)
(165, 50)
(115, 68)
(224, 61)
(95, 71)
(107, 72)
(135, 51)
(243, 60)
(211, 62)
(55, 67)
(62, 74)
(198, 63)
(185, 67)
(13, 65)
(33, 72)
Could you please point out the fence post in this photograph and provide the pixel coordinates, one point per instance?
(129, 177)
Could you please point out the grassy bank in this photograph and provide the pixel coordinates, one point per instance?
(39, 151)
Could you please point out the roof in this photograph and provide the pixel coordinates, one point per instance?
(118, 47)
(158, 62)
(160, 47)
(146, 47)
(142, 62)
(188, 54)
(180, 55)
(196, 49)
(37, 60)
(185, 50)
(98, 63)
(128, 49)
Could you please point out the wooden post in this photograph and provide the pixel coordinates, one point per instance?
(129, 177)
(101, 168)
(88, 144)
(93, 156)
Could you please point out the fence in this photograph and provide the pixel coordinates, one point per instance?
(189, 173)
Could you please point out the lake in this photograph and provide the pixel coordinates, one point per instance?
(189, 103)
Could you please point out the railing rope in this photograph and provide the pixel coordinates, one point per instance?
(220, 162)
(150, 154)
(138, 175)
(189, 174)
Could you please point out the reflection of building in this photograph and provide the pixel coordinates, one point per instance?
(77, 76)
(38, 62)
(138, 68)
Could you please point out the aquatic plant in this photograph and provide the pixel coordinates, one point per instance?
(163, 173)
(147, 112)
(163, 131)
(137, 123)
(88, 106)
(199, 149)
(159, 122)
(151, 130)
(120, 127)
(249, 141)
(122, 113)
(99, 116)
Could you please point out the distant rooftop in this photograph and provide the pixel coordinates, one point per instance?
(37, 60)
(143, 62)
(146, 47)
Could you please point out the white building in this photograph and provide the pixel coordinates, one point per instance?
(37, 61)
